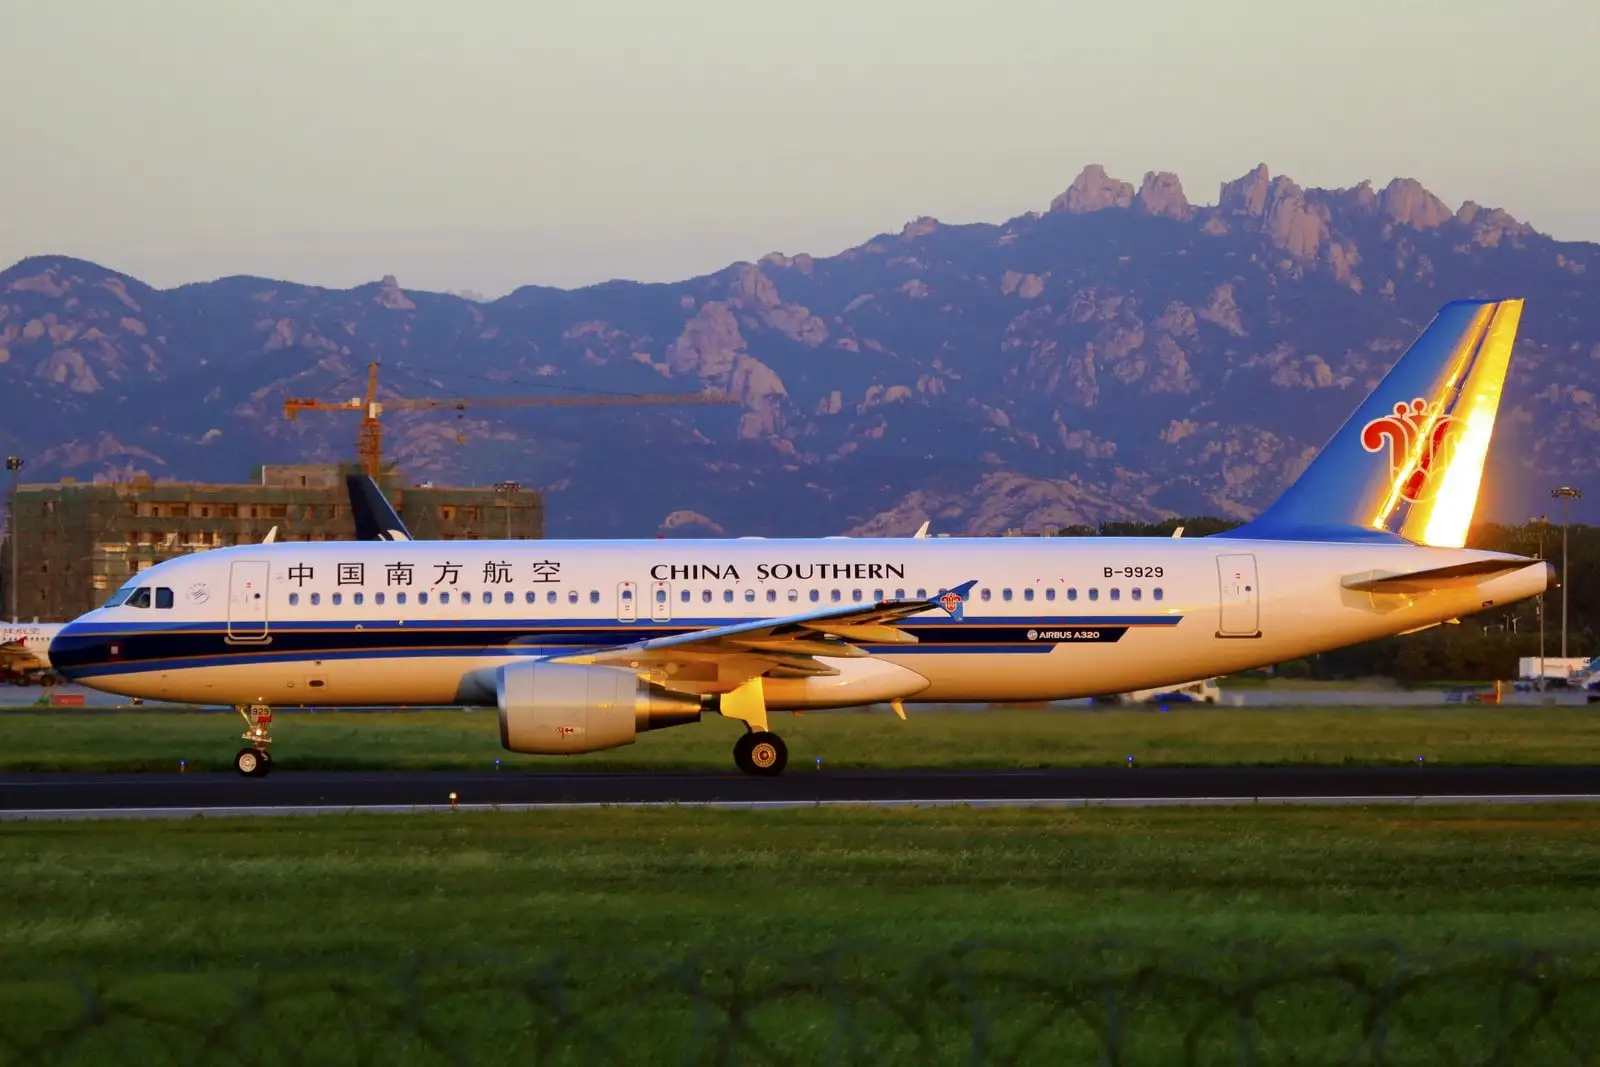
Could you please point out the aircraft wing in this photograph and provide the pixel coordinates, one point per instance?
(787, 647)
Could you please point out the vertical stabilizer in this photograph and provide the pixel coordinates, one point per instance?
(1408, 464)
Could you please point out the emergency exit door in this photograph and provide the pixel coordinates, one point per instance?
(627, 602)
(1240, 596)
(247, 600)
(660, 601)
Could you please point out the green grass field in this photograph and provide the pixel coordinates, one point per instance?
(316, 910)
(156, 741)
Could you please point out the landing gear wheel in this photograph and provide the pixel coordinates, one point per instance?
(761, 753)
(252, 762)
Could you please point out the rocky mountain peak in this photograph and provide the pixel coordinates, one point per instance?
(1093, 190)
(1407, 202)
(1246, 195)
(1162, 194)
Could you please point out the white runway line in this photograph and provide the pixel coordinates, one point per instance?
(64, 814)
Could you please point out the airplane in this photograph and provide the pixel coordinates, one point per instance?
(25, 650)
(583, 645)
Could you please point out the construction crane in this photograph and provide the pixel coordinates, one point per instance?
(369, 445)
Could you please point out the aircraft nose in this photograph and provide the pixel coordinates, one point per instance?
(1549, 575)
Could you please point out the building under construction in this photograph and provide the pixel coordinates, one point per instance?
(76, 542)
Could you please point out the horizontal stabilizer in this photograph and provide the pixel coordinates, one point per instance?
(1455, 576)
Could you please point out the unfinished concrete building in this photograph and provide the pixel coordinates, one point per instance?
(77, 542)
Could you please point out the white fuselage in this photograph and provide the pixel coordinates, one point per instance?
(29, 644)
(362, 623)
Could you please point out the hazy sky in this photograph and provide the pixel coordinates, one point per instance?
(483, 144)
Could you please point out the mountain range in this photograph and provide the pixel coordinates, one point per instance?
(1123, 355)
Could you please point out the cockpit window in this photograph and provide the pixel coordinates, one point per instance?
(118, 598)
(140, 597)
(163, 597)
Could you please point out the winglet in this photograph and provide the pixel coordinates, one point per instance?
(272, 535)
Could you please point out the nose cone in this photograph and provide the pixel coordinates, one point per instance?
(79, 647)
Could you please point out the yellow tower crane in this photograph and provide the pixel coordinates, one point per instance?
(369, 445)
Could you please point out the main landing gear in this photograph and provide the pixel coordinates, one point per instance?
(760, 752)
(255, 761)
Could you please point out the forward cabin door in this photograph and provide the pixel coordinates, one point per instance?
(1240, 596)
(247, 600)
(627, 602)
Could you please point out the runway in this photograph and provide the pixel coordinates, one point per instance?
(78, 796)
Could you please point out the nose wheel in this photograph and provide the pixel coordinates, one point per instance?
(255, 761)
(761, 754)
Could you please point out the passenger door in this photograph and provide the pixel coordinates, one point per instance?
(627, 602)
(247, 600)
(661, 601)
(1240, 596)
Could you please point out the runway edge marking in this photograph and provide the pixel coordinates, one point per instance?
(237, 811)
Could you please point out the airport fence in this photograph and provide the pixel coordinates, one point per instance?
(1108, 1004)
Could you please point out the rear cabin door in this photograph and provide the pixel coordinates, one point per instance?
(247, 600)
(1240, 596)
(661, 601)
(627, 602)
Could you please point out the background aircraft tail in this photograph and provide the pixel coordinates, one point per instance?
(375, 518)
(1409, 461)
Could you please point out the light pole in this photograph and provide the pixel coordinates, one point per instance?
(505, 489)
(1540, 522)
(14, 465)
(1566, 494)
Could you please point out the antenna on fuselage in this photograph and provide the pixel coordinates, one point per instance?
(272, 535)
(1178, 532)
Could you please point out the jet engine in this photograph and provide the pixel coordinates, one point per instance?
(554, 709)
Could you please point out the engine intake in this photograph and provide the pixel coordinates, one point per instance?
(564, 708)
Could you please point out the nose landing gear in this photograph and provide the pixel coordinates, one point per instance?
(255, 761)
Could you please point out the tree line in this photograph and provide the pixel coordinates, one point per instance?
(1482, 647)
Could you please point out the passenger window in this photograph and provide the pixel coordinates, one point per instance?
(531, 597)
(983, 594)
(1156, 592)
(816, 595)
(338, 598)
(684, 596)
(1005, 594)
(1137, 593)
(1072, 594)
(1094, 594)
(140, 597)
(772, 596)
(834, 596)
(627, 596)
(661, 596)
(377, 598)
(899, 594)
(399, 598)
(855, 595)
(444, 598)
(163, 597)
(1116, 594)
(422, 598)
(922, 594)
(550, 597)
(1027, 594)
(316, 598)
(727, 596)
(1050, 594)
(794, 595)
(294, 600)
(705, 596)
(572, 597)
(357, 599)
(594, 596)
(750, 595)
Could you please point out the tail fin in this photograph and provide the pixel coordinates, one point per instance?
(1409, 461)
(375, 519)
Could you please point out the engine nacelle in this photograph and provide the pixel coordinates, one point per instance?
(554, 709)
